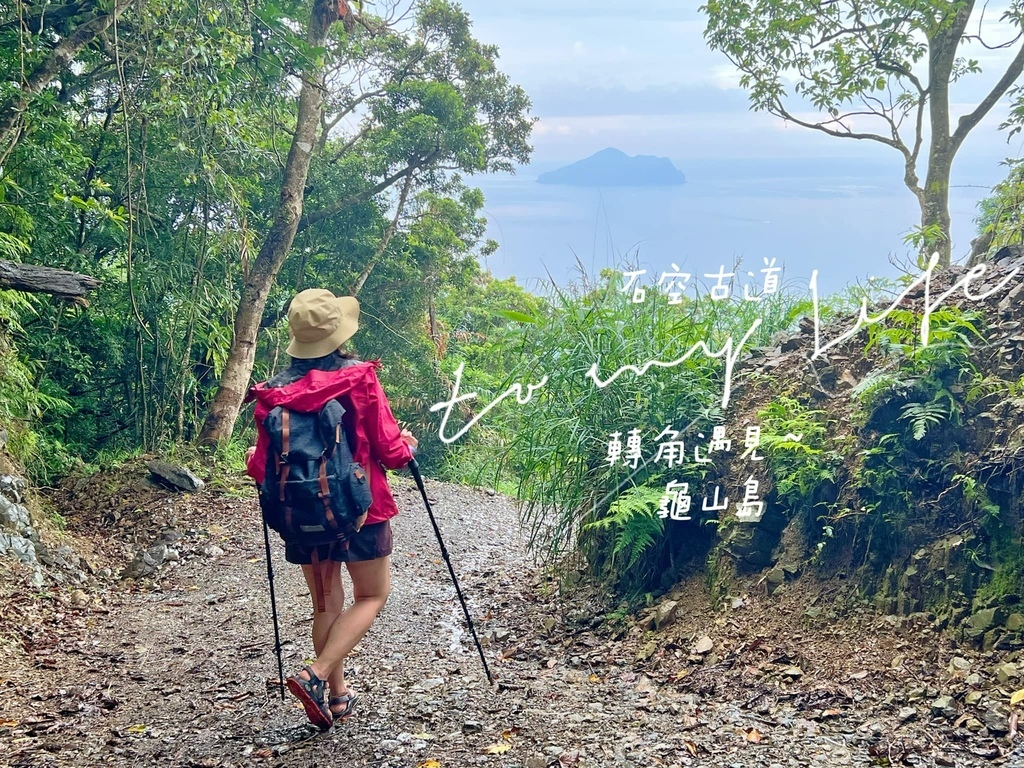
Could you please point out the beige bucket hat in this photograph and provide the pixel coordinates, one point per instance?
(319, 322)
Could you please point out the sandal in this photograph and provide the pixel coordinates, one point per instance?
(349, 700)
(311, 694)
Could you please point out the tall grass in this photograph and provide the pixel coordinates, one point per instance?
(554, 449)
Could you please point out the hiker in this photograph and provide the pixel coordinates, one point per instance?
(319, 325)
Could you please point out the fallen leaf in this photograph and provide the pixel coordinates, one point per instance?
(423, 736)
(594, 678)
(1017, 698)
(497, 749)
(8, 723)
(831, 713)
(691, 747)
(754, 736)
(429, 764)
(514, 731)
(137, 728)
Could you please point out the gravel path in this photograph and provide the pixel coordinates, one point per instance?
(183, 673)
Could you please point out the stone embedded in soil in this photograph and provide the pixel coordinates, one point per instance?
(959, 664)
(944, 706)
(12, 486)
(906, 713)
(972, 698)
(983, 620)
(213, 551)
(429, 684)
(793, 672)
(146, 562)
(178, 477)
(996, 720)
(1014, 622)
(703, 645)
(21, 549)
(1005, 672)
(647, 651)
(666, 613)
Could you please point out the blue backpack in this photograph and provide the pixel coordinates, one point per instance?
(314, 491)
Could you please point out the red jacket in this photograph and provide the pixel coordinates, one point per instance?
(378, 441)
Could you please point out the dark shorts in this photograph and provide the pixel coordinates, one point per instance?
(371, 542)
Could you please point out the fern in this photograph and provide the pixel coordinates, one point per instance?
(922, 416)
(878, 386)
(634, 516)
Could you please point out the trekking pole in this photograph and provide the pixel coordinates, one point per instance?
(415, 470)
(273, 608)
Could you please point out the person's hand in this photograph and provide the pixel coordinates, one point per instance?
(409, 439)
(250, 452)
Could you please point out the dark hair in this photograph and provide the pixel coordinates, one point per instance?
(299, 368)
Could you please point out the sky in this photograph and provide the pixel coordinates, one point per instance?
(640, 77)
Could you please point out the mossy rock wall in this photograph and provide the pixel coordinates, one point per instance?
(944, 537)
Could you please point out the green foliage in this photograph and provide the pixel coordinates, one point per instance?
(907, 412)
(922, 378)
(924, 415)
(555, 448)
(1001, 215)
(800, 462)
(23, 402)
(633, 518)
(154, 161)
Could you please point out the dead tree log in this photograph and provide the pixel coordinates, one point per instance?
(35, 279)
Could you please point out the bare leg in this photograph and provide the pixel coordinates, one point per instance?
(371, 584)
(334, 605)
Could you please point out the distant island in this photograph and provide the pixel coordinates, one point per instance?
(614, 168)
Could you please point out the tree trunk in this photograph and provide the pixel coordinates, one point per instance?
(223, 413)
(942, 51)
(935, 206)
(47, 70)
(935, 197)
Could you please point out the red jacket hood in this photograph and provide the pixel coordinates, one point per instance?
(314, 389)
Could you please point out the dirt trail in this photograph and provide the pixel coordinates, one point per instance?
(184, 674)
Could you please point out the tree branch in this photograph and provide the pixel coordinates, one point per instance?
(316, 217)
(348, 145)
(967, 123)
(365, 274)
(49, 68)
(780, 111)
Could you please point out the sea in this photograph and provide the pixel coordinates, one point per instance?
(845, 218)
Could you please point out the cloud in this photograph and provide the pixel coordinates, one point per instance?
(568, 99)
